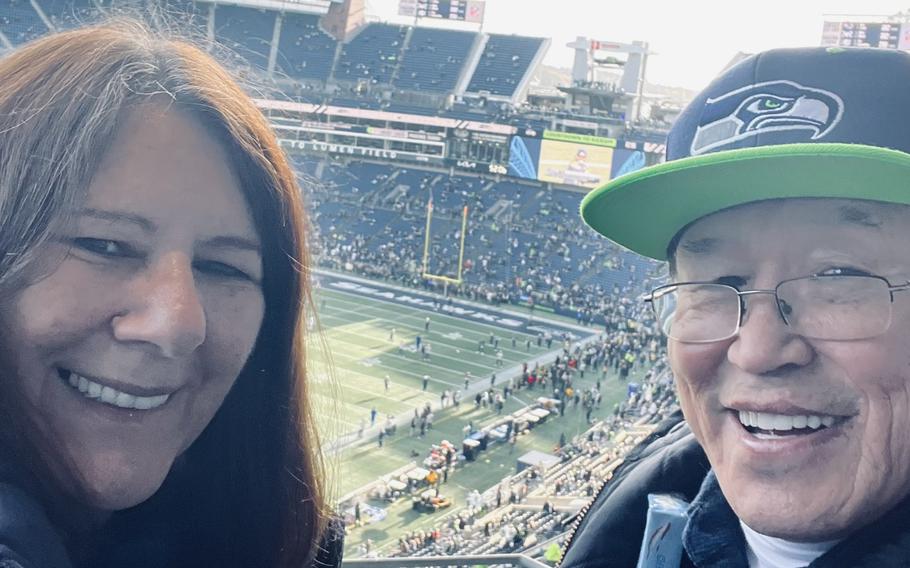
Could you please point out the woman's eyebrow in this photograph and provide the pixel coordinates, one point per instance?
(120, 216)
(234, 242)
(221, 241)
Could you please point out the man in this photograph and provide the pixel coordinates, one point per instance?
(782, 211)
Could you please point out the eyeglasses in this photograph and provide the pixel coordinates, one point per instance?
(830, 307)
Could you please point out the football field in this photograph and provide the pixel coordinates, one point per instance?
(357, 318)
(372, 336)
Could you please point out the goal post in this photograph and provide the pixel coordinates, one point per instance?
(426, 249)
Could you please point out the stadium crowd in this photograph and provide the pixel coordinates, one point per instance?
(531, 510)
(514, 254)
(537, 505)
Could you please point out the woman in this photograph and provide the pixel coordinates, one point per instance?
(153, 265)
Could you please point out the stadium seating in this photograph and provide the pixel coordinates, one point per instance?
(411, 109)
(434, 59)
(68, 13)
(503, 64)
(372, 55)
(426, 60)
(194, 14)
(356, 103)
(304, 50)
(19, 22)
(516, 230)
(247, 31)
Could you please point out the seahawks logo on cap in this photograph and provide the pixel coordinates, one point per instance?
(773, 106)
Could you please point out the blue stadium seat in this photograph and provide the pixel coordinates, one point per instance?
(372, 55)
(434, 59)
(194, 15)
(505, 60)
(356, 103)
(69, 13)
(247, 31)
(304, 50)
(19, 22)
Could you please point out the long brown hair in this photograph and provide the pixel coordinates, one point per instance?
(252, 484)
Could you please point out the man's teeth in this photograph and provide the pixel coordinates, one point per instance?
(114, 397)
(783, 422)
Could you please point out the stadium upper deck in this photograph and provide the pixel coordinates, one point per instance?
(296, 46)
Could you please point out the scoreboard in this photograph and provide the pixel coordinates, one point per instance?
(889, 35)
(457, 10)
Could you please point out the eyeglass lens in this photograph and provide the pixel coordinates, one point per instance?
(828, 307)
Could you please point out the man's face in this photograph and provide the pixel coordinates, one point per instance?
(817, 484)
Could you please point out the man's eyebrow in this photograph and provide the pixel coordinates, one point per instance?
(700, 246)
(120, 216)
(234, 242)
(858, 216)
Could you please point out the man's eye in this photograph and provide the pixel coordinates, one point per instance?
(735, 281)
(102, 247)
(843, 271)
(215, 268)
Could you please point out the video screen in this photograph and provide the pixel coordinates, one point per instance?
(573, 163)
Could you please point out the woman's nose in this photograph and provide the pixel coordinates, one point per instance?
(165, 308)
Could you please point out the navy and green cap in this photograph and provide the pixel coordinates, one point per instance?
(810, 122)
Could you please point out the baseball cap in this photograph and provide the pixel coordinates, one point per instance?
(807, 122)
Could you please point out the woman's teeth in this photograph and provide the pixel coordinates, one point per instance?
(769, 423)
(113, 397)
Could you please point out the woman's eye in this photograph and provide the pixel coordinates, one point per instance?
(215, 268)
(102, 247)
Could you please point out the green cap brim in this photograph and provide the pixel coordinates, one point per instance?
(644, 210)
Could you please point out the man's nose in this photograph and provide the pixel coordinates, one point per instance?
(765, 342)
(165, 309)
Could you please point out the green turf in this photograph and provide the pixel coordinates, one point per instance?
(357, 331)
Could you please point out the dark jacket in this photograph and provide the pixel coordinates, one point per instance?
(671, 461)
(171, 545)
(28, 540)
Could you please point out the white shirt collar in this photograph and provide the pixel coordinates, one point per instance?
(769, 552)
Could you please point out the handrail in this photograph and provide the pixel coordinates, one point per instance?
(514, 560)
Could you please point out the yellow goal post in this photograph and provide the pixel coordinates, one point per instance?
(426, 248)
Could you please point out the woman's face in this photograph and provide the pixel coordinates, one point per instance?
(127, 345)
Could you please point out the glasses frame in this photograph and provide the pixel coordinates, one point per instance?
(656, 293)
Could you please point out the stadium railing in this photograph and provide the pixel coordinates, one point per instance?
(511, 560)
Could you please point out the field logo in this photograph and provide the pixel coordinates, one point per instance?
(774, 106)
